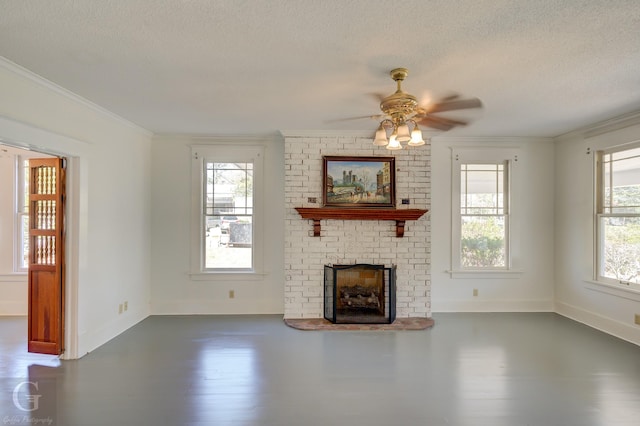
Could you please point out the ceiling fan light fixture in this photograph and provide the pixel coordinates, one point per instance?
(402, 111)
(381, 137)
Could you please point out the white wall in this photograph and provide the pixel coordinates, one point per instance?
(174, 291)
(532, 232)
(577, 295)
(108, 233)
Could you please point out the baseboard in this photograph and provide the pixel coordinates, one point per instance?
(627, 332)
(453, 305)
(91, 340)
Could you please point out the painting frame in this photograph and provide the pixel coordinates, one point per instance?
(366, 182)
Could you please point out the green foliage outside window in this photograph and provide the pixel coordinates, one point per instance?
(622, 248)
(483, 242)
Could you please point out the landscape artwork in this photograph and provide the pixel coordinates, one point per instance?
(359, 181)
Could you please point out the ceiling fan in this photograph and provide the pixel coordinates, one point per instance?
(402, 114)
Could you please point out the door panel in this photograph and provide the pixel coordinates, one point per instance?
(46, 256)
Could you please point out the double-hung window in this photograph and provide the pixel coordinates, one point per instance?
(226, 203)
(618, 216)
(481, 210)
(484, 220)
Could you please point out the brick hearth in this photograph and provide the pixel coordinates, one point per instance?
(323, 324)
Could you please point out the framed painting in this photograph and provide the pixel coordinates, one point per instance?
(358, 181)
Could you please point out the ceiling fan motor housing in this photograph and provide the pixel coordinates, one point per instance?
(400, 105)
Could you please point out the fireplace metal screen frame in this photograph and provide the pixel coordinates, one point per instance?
(330, 288)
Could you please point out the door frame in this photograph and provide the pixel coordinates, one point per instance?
(23, 136)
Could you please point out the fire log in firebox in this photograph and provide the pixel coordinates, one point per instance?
(358, 296)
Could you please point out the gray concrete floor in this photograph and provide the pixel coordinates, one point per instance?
(469, 369)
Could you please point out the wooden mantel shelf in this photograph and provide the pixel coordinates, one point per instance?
(365, 213)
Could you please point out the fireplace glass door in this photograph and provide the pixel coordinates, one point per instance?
(359, 294)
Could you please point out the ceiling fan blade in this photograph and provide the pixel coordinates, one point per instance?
(454, 105)
(425, 106)
(337, 120)
(448, 121)
(430, 122)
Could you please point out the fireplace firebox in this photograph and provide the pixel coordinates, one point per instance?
(360, 294)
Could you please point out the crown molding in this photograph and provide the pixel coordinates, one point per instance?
(59, 90)
(601, 127)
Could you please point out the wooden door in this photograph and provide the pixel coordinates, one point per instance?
(46, 256)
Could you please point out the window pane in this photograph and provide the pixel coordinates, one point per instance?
(228, 244)
(483, 243)
(24, 242)
(620, 251)
(24, 183)
(229, 188)
(482, 189)
(621, 180)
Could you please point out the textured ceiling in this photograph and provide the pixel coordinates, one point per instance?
(541, 68)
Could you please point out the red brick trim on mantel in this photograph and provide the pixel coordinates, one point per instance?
(398, 215)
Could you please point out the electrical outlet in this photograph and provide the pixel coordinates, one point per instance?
(475, 292)
(126, 305)
(120, 307)
(637, 319)
(232, 294)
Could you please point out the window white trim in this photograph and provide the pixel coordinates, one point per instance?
(484, 155)
(608, 285)
(238, 152)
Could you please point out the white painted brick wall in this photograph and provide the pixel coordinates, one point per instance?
(354, 241)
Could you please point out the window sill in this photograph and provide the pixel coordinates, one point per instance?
(227, 276)
(492, 274)
(618, 290)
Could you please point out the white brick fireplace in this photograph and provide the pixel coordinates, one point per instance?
(354, 241)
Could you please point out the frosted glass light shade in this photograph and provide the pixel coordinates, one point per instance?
(381, 137)
(394, 143)
(403, 133)
(416, 137)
